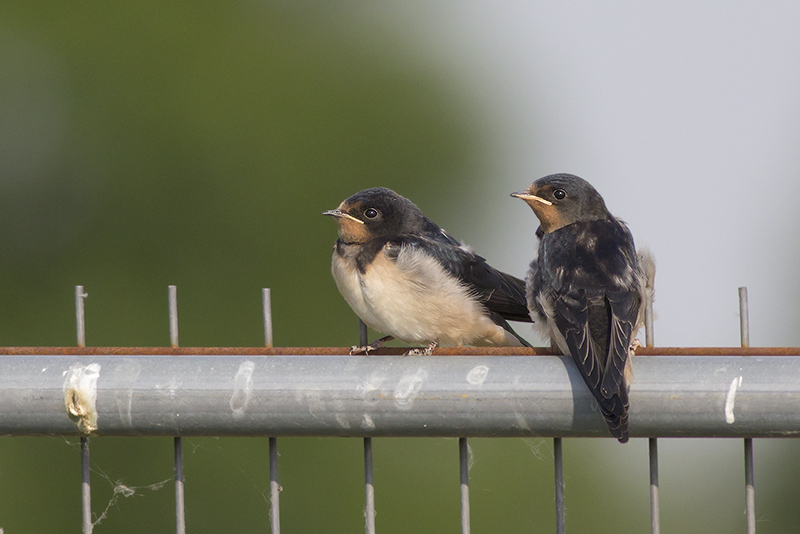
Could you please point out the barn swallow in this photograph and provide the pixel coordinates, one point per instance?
(587, 287)
(406, 277)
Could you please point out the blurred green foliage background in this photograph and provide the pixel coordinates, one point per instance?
(147, 143)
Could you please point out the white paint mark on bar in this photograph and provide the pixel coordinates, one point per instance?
(408, 387)
(242, 387)
(477, 375)
(367, 423)
(730, 400)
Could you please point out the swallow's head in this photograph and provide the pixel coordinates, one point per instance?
(562, 199)
(374, 213)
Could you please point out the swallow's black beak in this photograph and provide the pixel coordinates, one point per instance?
(339, 214)
(527, 197)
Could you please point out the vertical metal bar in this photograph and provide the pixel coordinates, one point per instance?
(274, 488)
(266, 299)
(750, 488)
(80, 321)
(180, 504)
(463, 457)
(363, 339)
(655, 512)
(86, 480)
(558, 461)
(86, 488)
(369, 488)
(655, 507)
(744, 317)
(173, 315)
(749, 478)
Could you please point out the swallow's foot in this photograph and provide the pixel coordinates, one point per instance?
(635, 344)
(365, 349)
(427, 351)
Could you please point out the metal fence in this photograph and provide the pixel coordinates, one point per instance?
(277, 392)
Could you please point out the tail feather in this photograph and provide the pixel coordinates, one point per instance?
(617, 424)
(498, 319)
(615, 412)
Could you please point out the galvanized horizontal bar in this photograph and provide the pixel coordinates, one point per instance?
(452, 396)
(383, 351)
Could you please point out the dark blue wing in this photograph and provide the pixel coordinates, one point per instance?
(584, 268)
(572, 311)
(501, 293)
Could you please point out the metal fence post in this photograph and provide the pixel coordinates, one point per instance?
(463, 457)
(369, 485)
(750, 488)
(266, 299)
(369, 488)
(180, 504)
(86, 480)
(274, 486)
(655, 507)
(558, 461)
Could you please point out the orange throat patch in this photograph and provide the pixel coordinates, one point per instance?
(548, 215)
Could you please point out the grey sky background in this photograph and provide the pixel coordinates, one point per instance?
(684, 115)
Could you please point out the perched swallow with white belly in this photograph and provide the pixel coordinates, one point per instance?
(587, 287)
(406, 277)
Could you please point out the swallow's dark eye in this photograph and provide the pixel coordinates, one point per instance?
(370, 213)
(559, 194)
